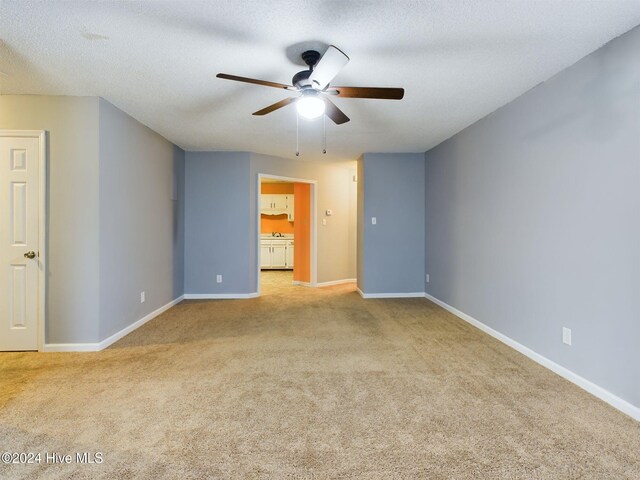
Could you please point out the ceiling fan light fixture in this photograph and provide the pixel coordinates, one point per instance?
(310, 106)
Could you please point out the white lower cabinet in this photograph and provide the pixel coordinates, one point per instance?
(265, 254)
(289, 253)
(276, 253)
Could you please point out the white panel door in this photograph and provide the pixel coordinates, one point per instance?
(278, 255)
(19, 243)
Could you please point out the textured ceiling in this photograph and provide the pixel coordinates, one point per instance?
(457, 60)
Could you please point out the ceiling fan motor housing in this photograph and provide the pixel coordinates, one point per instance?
(311, 58)
(301, 79)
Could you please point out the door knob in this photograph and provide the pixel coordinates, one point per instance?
(30, 255)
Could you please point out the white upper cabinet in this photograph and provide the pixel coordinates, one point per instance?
(277, 204)
(265, 203)
(290, 207)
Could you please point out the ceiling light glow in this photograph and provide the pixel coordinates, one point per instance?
(310, 106)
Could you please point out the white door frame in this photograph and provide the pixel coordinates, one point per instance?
(314, 230)
(42, 222)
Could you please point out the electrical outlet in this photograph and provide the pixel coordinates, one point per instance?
(143, 297)
(218, 278)
(566, 335)
(427, 278)
(374, 220)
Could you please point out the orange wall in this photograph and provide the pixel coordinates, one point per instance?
(277, 223)
(302, 232)
(276, 188)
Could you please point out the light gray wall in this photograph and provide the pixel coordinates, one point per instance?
(360, 225)
(392, 190)
(178, 204)
(73, 227)
(141, 231)
(533, 218)
(217, 223)
(353, 221)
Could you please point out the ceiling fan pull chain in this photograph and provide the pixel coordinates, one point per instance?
(297, 135)
(324, 134)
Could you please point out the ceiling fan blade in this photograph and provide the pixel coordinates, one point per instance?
(367, 92)
(328, 67)
(334, 113)
(276, 106)
(255, 81)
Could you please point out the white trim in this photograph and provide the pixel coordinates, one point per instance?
(96, 347)
(391, 295)
(71, 347)
(592, 388)
(127, 330)
(314, 230)
(219, 296)
(42, 238)
(314, 233)
(336, 282)
(302, 284)
(41, 135)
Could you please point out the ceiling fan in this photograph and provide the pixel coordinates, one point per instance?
(314, 89)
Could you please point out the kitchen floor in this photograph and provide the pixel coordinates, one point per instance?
(277, 282)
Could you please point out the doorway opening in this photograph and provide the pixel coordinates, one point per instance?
(286, 233)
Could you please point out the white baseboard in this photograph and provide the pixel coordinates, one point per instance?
(391, 295)
(336, 282)
(324, 284)
(603, 394)
(96, 347)
(71, 347)
(219, 296)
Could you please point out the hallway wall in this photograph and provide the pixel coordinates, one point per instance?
(73, 226)
(221, 209)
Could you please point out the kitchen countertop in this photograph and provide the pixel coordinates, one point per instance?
(268, 236)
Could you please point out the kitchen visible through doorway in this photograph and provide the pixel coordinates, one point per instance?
(285, 230)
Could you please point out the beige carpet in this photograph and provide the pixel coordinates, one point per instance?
(308, 383)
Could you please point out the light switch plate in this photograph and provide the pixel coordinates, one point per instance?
(373, 220)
